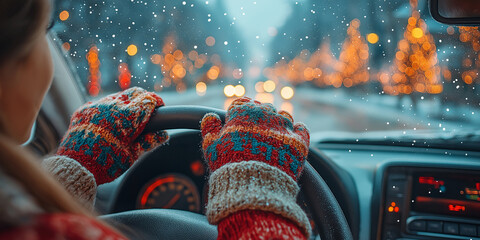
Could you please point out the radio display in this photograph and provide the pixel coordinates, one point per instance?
(446, 194)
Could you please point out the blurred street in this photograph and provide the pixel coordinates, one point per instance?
(332, 110)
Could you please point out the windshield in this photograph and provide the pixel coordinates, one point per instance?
(352, 66)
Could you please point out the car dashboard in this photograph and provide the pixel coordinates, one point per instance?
(386, 192)
(412, 193)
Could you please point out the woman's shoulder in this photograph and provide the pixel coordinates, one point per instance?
(17, 207)
(22, 218)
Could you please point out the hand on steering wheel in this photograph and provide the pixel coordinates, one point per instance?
(255, 160)
(104, 135)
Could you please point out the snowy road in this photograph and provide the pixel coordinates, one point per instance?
(334, 110)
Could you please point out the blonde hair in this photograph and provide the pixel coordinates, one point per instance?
(50, 196)
(21, 166)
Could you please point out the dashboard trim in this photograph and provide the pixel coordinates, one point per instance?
(428, 234)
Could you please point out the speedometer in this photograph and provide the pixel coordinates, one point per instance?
(172, 191)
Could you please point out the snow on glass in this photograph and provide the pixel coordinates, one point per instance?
(340, 65)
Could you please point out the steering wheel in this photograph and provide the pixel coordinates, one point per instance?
(176, 224)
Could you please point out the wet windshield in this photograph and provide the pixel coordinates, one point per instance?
(353, 66)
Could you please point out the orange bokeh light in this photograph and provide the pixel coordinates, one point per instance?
(156, 58)
(64, 15)
(213, 73)
(210, 41)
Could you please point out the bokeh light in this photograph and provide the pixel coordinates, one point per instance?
(201, 88)
(213, 72)
(229, 90)
(239, 90)
(417, 32)
(269, 86)
(124, 76)
(94, 77)
(237, 73)
(178, 55)
(156, 58)
(66, 46)
(287, 92)
(64, 15)
(210, 41)
(372, 38)
(450, 30)
(132, 50)
(259, 87)
(179, 71)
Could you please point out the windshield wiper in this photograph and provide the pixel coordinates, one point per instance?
(469, 141)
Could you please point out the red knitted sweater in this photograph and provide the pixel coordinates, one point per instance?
(242, 225)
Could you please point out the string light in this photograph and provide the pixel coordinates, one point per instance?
(94, 80)
(124, 76)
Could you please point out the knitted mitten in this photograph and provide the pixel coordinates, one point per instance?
(104, 136)
(255, 160)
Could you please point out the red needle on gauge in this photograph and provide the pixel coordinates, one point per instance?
(172, 201)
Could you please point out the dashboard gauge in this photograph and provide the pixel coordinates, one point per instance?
(172, 191)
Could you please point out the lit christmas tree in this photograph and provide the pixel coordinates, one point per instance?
(352, 66)
(295, 72)
(321, 64)
(305, 67)
(471, 35)
(471, 62)
(292, 71)
(180, 68)
(323, 68)
(415, 66)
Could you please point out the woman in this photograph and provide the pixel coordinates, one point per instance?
(254, 159)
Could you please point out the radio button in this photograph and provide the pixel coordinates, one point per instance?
(468, 230)
(450, 228)
(418, 225)
(434, 226)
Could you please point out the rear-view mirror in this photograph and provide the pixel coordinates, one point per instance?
(456, 12)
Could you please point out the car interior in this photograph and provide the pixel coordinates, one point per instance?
(412, 185)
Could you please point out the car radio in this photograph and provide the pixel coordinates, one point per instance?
(426, 203)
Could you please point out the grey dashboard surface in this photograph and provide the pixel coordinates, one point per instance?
(362, 162)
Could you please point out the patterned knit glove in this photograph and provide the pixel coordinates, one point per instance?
(104, 136)
(255, 160)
